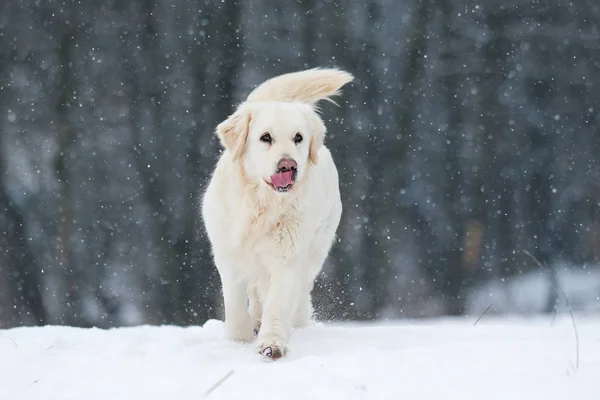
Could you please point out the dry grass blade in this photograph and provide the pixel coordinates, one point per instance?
(481, 316)
(15, 343)
(218, 383)
(562, 293)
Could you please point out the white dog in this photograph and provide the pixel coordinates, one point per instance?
(273, 205)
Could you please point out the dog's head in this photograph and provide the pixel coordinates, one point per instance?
(276, 134)
(273, 141)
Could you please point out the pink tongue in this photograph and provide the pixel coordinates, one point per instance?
(282, 179)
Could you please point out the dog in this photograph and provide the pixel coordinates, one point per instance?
(272, 206)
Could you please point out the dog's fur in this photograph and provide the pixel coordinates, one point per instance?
(269, 246)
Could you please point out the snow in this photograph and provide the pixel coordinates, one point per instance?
(448, 358)
(531, 292)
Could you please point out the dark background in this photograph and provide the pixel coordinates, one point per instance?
(470, 135)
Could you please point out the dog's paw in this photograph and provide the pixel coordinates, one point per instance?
(237, 333)
(240, 338)
(272, 346)
(272, 351)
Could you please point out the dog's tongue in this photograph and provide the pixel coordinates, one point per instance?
(282, 179)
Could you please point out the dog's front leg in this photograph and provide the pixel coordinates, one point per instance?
(304, 311)
(279, 308)
(237, 319)
(254, 307)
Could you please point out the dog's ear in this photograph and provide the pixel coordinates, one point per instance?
(233, 132)
(317, 137)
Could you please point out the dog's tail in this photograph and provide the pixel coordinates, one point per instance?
(308, 86)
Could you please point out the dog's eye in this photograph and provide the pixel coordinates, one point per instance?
(266, 137)
(298, 138)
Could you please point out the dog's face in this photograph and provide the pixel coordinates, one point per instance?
(274, 141)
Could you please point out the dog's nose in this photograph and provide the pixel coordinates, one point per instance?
(286, 164)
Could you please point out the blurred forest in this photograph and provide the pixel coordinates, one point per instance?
(470, 135)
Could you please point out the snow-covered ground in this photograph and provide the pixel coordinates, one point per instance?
(427, 359)
(531, 292)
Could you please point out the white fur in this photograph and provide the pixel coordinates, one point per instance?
(268, 246)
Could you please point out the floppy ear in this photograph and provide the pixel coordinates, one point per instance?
(233, 132)
(317, 137)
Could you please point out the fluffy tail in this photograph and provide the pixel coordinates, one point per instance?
(308, 86)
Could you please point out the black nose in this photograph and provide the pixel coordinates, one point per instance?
(286, 164)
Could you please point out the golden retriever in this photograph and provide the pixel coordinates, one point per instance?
(272, 206)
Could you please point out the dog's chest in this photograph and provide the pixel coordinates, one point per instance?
(274, 234)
